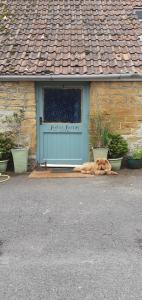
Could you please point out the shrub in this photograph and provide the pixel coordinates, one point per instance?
(137, 154)
(14, 125)
(118, 146)
(6, 144)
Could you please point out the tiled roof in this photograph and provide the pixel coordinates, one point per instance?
(70, 37)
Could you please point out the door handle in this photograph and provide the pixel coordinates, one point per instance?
(40, 120)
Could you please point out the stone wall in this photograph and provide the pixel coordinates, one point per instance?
(121, 102)
(20, 95)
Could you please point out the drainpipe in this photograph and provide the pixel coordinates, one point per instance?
(50, 77)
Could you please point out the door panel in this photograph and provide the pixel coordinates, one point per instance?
(63, 132)
(64, 151)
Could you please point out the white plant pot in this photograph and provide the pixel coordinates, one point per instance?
(3, 165)
(20, 159)
(100, 153)
(115, 163)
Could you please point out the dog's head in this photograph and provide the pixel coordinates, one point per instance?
(102, 163)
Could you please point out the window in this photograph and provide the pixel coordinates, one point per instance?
(139, 13)
(62, 105)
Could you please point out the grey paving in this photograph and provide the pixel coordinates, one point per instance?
(71, 239)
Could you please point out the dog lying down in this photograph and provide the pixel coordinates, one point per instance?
(100, 167)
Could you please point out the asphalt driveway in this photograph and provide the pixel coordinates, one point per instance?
(71, 239)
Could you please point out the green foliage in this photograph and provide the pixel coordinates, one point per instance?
(101, 134)
(6, 144)
(118, 146)
(137, 154)
(14, 123)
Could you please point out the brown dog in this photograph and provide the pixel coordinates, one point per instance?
(100, 167)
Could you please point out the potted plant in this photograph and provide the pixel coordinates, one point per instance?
(118, 147)
(134, 161)
(100, 139)
(3, 163)
(6, 143)
(20, 151)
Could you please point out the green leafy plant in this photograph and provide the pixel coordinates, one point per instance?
(118, 146)
(101, 133)
(137, 154)
(6, 143)
(14, 124)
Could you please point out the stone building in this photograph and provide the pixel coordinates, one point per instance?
(61, 61)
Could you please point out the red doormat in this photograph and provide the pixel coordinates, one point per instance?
(57, 173)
